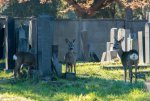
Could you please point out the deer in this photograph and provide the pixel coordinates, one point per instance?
(128, 59)
(70, 59)
(24, 59)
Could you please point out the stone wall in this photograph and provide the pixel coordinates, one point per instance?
(98, 33)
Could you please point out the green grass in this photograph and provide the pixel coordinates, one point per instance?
(92, 84)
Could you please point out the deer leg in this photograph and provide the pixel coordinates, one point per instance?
(125, 73)
(29, 73)
(75, 68)
(136, 67)
(19, 74)
(130, 74)
(15, 72)
(71, 67)
(66, 68)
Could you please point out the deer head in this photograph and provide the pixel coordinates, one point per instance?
(70, 44)
(117, 44)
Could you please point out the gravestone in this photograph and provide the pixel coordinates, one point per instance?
(57, 67)
(134, 36)
(108, 55)
(10, 45)
(32, 40)
(148, 16)
(22, 44)
(129, 43)
(103, 58)
(140, 42)
(70, 75)
(113, 34)
(1, 42)
(147, 43)
(84, 45)
(45, 41)
(123, 33)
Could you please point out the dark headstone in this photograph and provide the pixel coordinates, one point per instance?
(10, 43)
(45, 40)
(70, 75)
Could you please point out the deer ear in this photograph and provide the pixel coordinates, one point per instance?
(74, 40)
(66, 40)
(121, 39)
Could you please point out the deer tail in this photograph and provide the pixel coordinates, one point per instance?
(14, 57)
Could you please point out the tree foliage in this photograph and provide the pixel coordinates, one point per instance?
(83, 8)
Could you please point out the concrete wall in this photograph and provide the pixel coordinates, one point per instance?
(98, 32)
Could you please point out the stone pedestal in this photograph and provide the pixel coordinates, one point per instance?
(70, 75)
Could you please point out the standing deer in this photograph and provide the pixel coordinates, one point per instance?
(70, 58)
(23, 59)
(128, 59)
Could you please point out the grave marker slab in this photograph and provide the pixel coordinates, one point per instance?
(103, 57)
(129, 43)
(147, 43)
(113, 33)
(140, 42)
(45, 41)
(123, 33)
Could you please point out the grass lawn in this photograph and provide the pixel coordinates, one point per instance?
(93, 83)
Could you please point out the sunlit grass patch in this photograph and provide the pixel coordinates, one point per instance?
(93, 83)
(12, 97)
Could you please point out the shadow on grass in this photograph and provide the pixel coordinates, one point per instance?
(62, 88)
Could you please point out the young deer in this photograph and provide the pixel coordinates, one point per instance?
(128, 59)
(70, 58)
(24, 59)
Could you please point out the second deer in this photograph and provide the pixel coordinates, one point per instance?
(70, 59)
(24, 59)
(128, 58)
